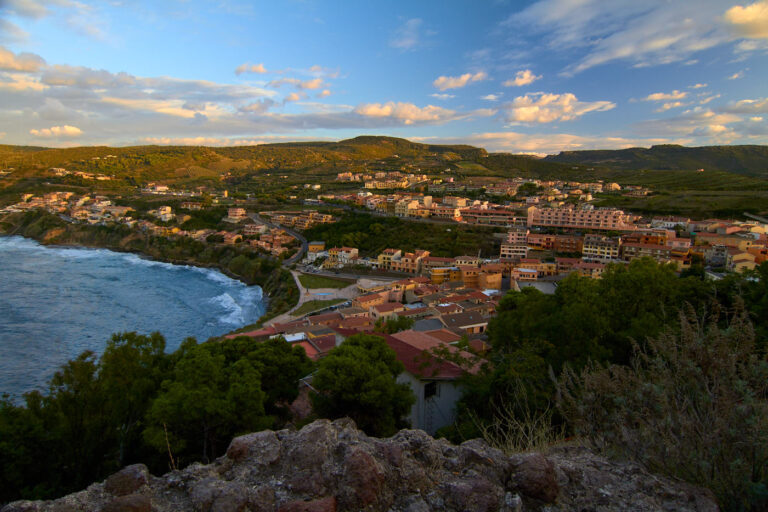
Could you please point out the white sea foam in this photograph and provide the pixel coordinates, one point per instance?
(234, 312)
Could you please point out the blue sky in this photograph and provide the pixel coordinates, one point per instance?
(526, 77)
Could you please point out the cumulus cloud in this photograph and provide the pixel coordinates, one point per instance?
(407, 36)
(323, 94)
(708, 99)
(294, 96)
(250, 68)
(736, 76)
(697, 86)
(57, 131)
(666, 96)
(26, 62)
(524, 77)
(408, 113)
(670, 105)
(444, 83)
(749, 21)
(442, 96)
(258, 107)
(20, 82)
(547, 108)
(491, 97)
(315, 83)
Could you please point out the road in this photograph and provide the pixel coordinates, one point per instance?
(302, 250)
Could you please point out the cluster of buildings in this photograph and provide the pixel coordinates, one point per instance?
(71, 207)
(61, 172)
(443, 316)
(531, 211)
(273, 240)
(300, 220)
(388, 180)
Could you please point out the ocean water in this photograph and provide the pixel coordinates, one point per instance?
(56, 302)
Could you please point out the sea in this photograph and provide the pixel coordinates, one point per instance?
(56, 302)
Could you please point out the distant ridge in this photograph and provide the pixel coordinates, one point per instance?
(745, 160)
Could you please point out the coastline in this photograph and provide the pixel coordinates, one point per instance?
(58, 233)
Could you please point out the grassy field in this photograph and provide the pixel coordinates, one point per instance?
(312, 282)
(314, 305)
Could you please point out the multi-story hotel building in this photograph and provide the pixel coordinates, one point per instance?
(580, 218)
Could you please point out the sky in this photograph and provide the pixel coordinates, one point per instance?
(536, 77)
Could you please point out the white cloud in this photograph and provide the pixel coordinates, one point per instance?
(736, 76)
(407, 36)
(705, 126)
(697, 86)
(315, 83)
(491, 97)
(57, 131)
(747, 106)
(550, 143)
(547, 108)
(442, 96)
(670, 105)
(650, 32)
(666, 96)
(750, 21)
(408, 113)
(455, 82)
(27, 62)
(258, 107)
(226, 141)
(524, 77)
(20, 82)
(250, 68)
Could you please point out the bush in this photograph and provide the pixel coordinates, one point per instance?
(693, 405)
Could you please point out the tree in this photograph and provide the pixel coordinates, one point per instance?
(132, 368)
(358, 379)
(205, 404)
(393, 324)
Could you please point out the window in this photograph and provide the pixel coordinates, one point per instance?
(431, 389)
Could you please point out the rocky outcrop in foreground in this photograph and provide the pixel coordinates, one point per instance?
(332, 466)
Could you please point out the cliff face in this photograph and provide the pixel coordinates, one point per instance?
(332, 466)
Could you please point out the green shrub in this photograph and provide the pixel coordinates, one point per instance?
(693, 405)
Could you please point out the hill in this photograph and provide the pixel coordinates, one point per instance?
(744, 160)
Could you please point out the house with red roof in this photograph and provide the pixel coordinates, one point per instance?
(432, 380)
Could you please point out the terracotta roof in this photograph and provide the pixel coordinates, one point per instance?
(388, 307)
(463, 319)
(416, 361)
(357, 323)
(266, 331)
(444, 335)
(325, 317)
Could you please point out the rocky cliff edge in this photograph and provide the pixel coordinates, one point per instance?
(331, 466)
